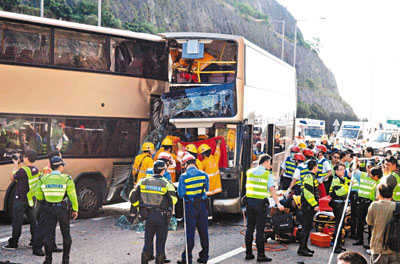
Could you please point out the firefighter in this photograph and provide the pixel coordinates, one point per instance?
(309, 205)
(324, 168)
(366, 195)
(259, 187)
(143, 162)
(155, 196)
(191, 148)
(338, 191)
(166, 146)
(53, 188)
(299, 173)
(210, 166)
(193, 185)
(288, 167)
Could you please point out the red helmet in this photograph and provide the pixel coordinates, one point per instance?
(322, 148)
(308, 152)
(165, 155)
(295, 149)
(186, 157)
(299, 156)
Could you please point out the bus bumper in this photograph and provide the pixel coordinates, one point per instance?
(231, 205)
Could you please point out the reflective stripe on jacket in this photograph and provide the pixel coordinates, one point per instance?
(310, 190)
(366, 188)
(210, 166)
(290, 166)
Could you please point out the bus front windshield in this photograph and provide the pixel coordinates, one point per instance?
(313, 132)
(382, 137)
(348, 133)
(201, 102)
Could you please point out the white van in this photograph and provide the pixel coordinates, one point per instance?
(385, 142)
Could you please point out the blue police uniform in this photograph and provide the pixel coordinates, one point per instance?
(193, 185)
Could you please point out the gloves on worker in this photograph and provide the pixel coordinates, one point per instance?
(288, 192)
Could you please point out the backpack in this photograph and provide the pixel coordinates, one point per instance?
(392, 241)
(282, 223)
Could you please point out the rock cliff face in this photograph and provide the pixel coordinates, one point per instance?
(316, 83)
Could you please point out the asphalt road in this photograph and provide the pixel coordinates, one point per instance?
(98, 240)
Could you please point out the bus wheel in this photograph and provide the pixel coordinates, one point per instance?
(89, 197)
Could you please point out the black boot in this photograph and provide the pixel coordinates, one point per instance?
(302, 251)
(309, 250)
(160, 259)
(146, 257)
(249, 249)
(49, 253)
(66, 250)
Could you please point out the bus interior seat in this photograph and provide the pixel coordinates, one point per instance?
(26, 56)
(39, 56)
(65, 59)
(10, 53)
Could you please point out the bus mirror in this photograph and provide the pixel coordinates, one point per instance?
(192, 49)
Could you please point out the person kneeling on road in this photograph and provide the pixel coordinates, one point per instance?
(53, 188)
(155, 196)
(259, 187)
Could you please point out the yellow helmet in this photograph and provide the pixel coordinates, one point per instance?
(302, 145)
(166, 142)
(191, 148)
(203, 148)
(147, 146)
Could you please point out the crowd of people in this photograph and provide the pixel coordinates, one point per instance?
(371, 185)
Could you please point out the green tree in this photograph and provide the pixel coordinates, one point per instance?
(8, 5)
(59, 8)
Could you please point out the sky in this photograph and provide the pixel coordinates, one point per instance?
(361, 46)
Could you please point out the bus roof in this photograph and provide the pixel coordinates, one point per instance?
(78, 26)
(197, 35)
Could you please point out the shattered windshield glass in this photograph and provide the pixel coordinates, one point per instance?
(201, 102)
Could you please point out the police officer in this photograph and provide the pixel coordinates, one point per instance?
(366, 195)
(41, 218)
(53, 188)
(309, 205)
(259, 187)
(193, 185)
(324, 169)
(287, 168)
(155, 196)
(338, 191)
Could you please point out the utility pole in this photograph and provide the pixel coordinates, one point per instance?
(41, 8)
(99, 13)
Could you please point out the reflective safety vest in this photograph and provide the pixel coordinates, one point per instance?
(303, 171)
(153, 193)
(257, 185)
(320, 173)
(309, 190)
(210, 166)
(54, 187)
(44, 148)
(396, 190)
(363, 165)
(32, 180)
(290, 166)
(339, 188)
(195, 186)
(356, 185)
(367, 184)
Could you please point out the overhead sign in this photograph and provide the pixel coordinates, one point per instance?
(393, 122)
(336, 123)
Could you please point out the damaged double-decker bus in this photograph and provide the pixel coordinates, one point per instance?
(225, 86)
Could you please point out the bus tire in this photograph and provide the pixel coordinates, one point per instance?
(89, 197)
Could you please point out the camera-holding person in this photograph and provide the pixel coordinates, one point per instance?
(25, 175)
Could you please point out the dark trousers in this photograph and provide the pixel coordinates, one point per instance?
(40, 232)
(337, 212)
(19, 210)
(156, 225)
(256, 218)
(354, 210)
(285, 183)
(327, 184)
(362, 211)
(307, 221)
(52, 214)
(210, 207)
(196, 218)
